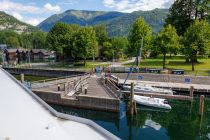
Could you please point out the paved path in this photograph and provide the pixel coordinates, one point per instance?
(96, 88)
(25, 118)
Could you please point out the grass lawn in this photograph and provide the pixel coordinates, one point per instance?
(80, 65)
(31, 78)
(201, 68)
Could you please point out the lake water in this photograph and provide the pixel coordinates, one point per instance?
(181, 123)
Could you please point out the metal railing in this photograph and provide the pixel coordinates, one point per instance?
(54, 81)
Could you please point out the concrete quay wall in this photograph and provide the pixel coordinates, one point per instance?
(43, 72)
(167, 78)
(81, 101)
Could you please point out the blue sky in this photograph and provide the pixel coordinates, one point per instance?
(35, 11)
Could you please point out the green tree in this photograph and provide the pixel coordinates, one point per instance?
(107, 50)
(58, 38)
(26, 40)
(139, 31)
(13, 42)
(183, 12)
(86, 43)
(167, 41)
(71, 50)
(197, 40)
(38, 39)
(120, 45)
(101, 34)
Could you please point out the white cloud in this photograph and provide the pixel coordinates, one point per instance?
(134, 5)
(34, 21)
(68, 2)
(17, 15)
(7, 5)
(51, 8)
(27, 11)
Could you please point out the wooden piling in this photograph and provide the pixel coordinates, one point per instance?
(191, 91)
(191, 94)
(201, 107)
(131, 99)
(22, 78)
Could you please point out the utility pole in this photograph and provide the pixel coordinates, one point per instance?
(112, 58)
(140, 50)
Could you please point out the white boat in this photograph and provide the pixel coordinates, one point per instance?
(149, 89)
(152, 102)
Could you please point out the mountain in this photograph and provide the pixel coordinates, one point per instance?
(117, 23)
(8, 22)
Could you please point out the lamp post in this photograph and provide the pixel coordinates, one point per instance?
(112, 58)
(140, 50)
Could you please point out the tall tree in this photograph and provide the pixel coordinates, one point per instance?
(140, 30)
(38, 39)
(101, 34)
(119, 45)
(167, 40)
(58, 38)
(197, 40)
(107, 50)
(87, 45)
(183, 12)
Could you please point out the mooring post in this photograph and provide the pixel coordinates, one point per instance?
(59, 87)
(85, 90)
(131, 99)
(191, 93)
(201, 107)
(22, 78)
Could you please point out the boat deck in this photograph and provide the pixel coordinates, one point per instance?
(24, 116)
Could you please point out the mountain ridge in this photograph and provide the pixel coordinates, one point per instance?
(8, 22)
(117, 23)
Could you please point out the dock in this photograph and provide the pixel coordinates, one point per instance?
(176, 86)
(88, 92)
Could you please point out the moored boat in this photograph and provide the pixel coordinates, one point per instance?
(149, 89)
(152, 102)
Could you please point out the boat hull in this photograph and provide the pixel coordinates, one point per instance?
(142, 100)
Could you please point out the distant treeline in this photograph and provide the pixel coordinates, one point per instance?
(186, 32)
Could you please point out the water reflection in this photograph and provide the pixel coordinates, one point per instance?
(181, 123)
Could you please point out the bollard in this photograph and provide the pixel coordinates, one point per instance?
(201, 107)
(191, 91)
(22, 78)
(59, 88)
(85, 90)
(105, 80)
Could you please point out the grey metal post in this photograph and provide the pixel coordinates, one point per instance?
(22, 78)
(139, 58)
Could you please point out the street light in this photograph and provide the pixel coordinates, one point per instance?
(140, 50)
(112, 58)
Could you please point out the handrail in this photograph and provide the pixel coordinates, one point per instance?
(79, 84)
